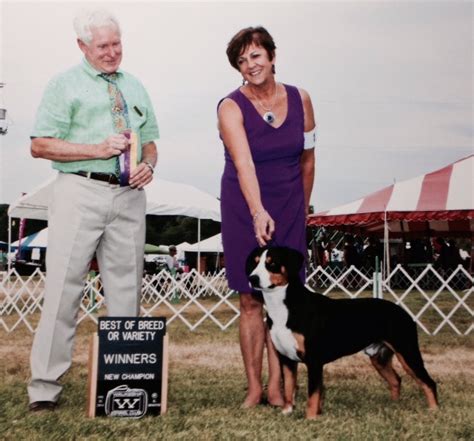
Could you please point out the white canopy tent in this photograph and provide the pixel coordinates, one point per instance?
(174, 198)
(35, 240)
(180, 248)
(163, 198)
(33, 205)
(210, 245)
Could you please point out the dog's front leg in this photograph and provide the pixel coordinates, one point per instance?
(315, 389)
(289, 368)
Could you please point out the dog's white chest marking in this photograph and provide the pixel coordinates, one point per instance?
(282, 337)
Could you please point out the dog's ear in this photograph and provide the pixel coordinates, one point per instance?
(250, 264)
(293, 261)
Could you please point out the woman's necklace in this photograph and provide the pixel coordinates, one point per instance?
(268, 116)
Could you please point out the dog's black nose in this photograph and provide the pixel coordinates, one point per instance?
(254, 280)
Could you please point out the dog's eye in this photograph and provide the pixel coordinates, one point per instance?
(272, 266)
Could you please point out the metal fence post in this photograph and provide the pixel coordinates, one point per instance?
(377, 281)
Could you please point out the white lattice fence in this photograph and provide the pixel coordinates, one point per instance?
(184, 298)
(92, 299)
(20, 298)
(429, 295)
(434, 298)
(192, 297)
(351, 281)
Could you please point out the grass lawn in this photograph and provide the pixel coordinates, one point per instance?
(207, 386)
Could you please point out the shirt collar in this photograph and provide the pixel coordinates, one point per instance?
(91, 70)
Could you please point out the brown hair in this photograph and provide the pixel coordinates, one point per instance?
(244, 38)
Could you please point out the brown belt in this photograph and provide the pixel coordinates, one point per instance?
(105, 177)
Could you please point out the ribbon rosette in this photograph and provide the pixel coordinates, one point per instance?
(129, 158)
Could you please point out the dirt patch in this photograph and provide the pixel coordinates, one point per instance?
(15, 352)
(215, 355)
(456, 361)
(209, 355)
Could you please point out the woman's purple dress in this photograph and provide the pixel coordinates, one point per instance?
(276, 152)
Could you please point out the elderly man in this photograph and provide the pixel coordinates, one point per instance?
(93, 122)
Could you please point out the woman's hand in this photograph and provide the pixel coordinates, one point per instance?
(264, 227)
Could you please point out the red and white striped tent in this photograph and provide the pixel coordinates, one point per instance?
(438, 203)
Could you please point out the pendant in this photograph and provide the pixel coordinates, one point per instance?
(269, 117)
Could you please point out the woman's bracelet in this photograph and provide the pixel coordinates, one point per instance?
(257, 214)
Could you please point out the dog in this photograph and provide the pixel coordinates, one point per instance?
(313, 329)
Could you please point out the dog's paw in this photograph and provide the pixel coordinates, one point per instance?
(287, 409)
(311, 415)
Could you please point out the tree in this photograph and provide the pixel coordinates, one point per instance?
(168, 230)
(160, 230)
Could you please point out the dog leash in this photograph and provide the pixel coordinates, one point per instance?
(272, 243)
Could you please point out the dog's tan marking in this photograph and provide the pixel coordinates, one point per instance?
(388, 373)
(289, 375)
(314, 405)
(278, 279)
(430, 396)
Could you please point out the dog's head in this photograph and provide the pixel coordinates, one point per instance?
(268, 268)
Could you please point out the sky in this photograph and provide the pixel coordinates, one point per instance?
(391, 83)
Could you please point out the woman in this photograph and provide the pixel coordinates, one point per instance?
(266, 185)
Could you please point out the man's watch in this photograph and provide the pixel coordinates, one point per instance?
(149, 165)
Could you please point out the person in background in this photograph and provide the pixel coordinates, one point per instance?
(89, 119)
(336, 256)
(442, 257)
(268, 130)
(172, 261)
(372, 251)
(351, 255)
(454, 258)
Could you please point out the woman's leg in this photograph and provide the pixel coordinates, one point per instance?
(252, 338)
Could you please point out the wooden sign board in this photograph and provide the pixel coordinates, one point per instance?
(128, 367)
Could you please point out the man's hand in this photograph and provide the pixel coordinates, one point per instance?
(114, 145)
(141, 176)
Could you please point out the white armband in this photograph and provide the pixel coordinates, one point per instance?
(310, 139)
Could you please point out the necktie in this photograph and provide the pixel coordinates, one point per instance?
(121, 122)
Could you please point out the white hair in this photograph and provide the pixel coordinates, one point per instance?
(85, 21)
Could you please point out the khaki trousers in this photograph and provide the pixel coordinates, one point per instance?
(86, 216)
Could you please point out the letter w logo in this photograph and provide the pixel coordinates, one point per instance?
(126, 402)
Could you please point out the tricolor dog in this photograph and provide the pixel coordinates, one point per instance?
(313, 329)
